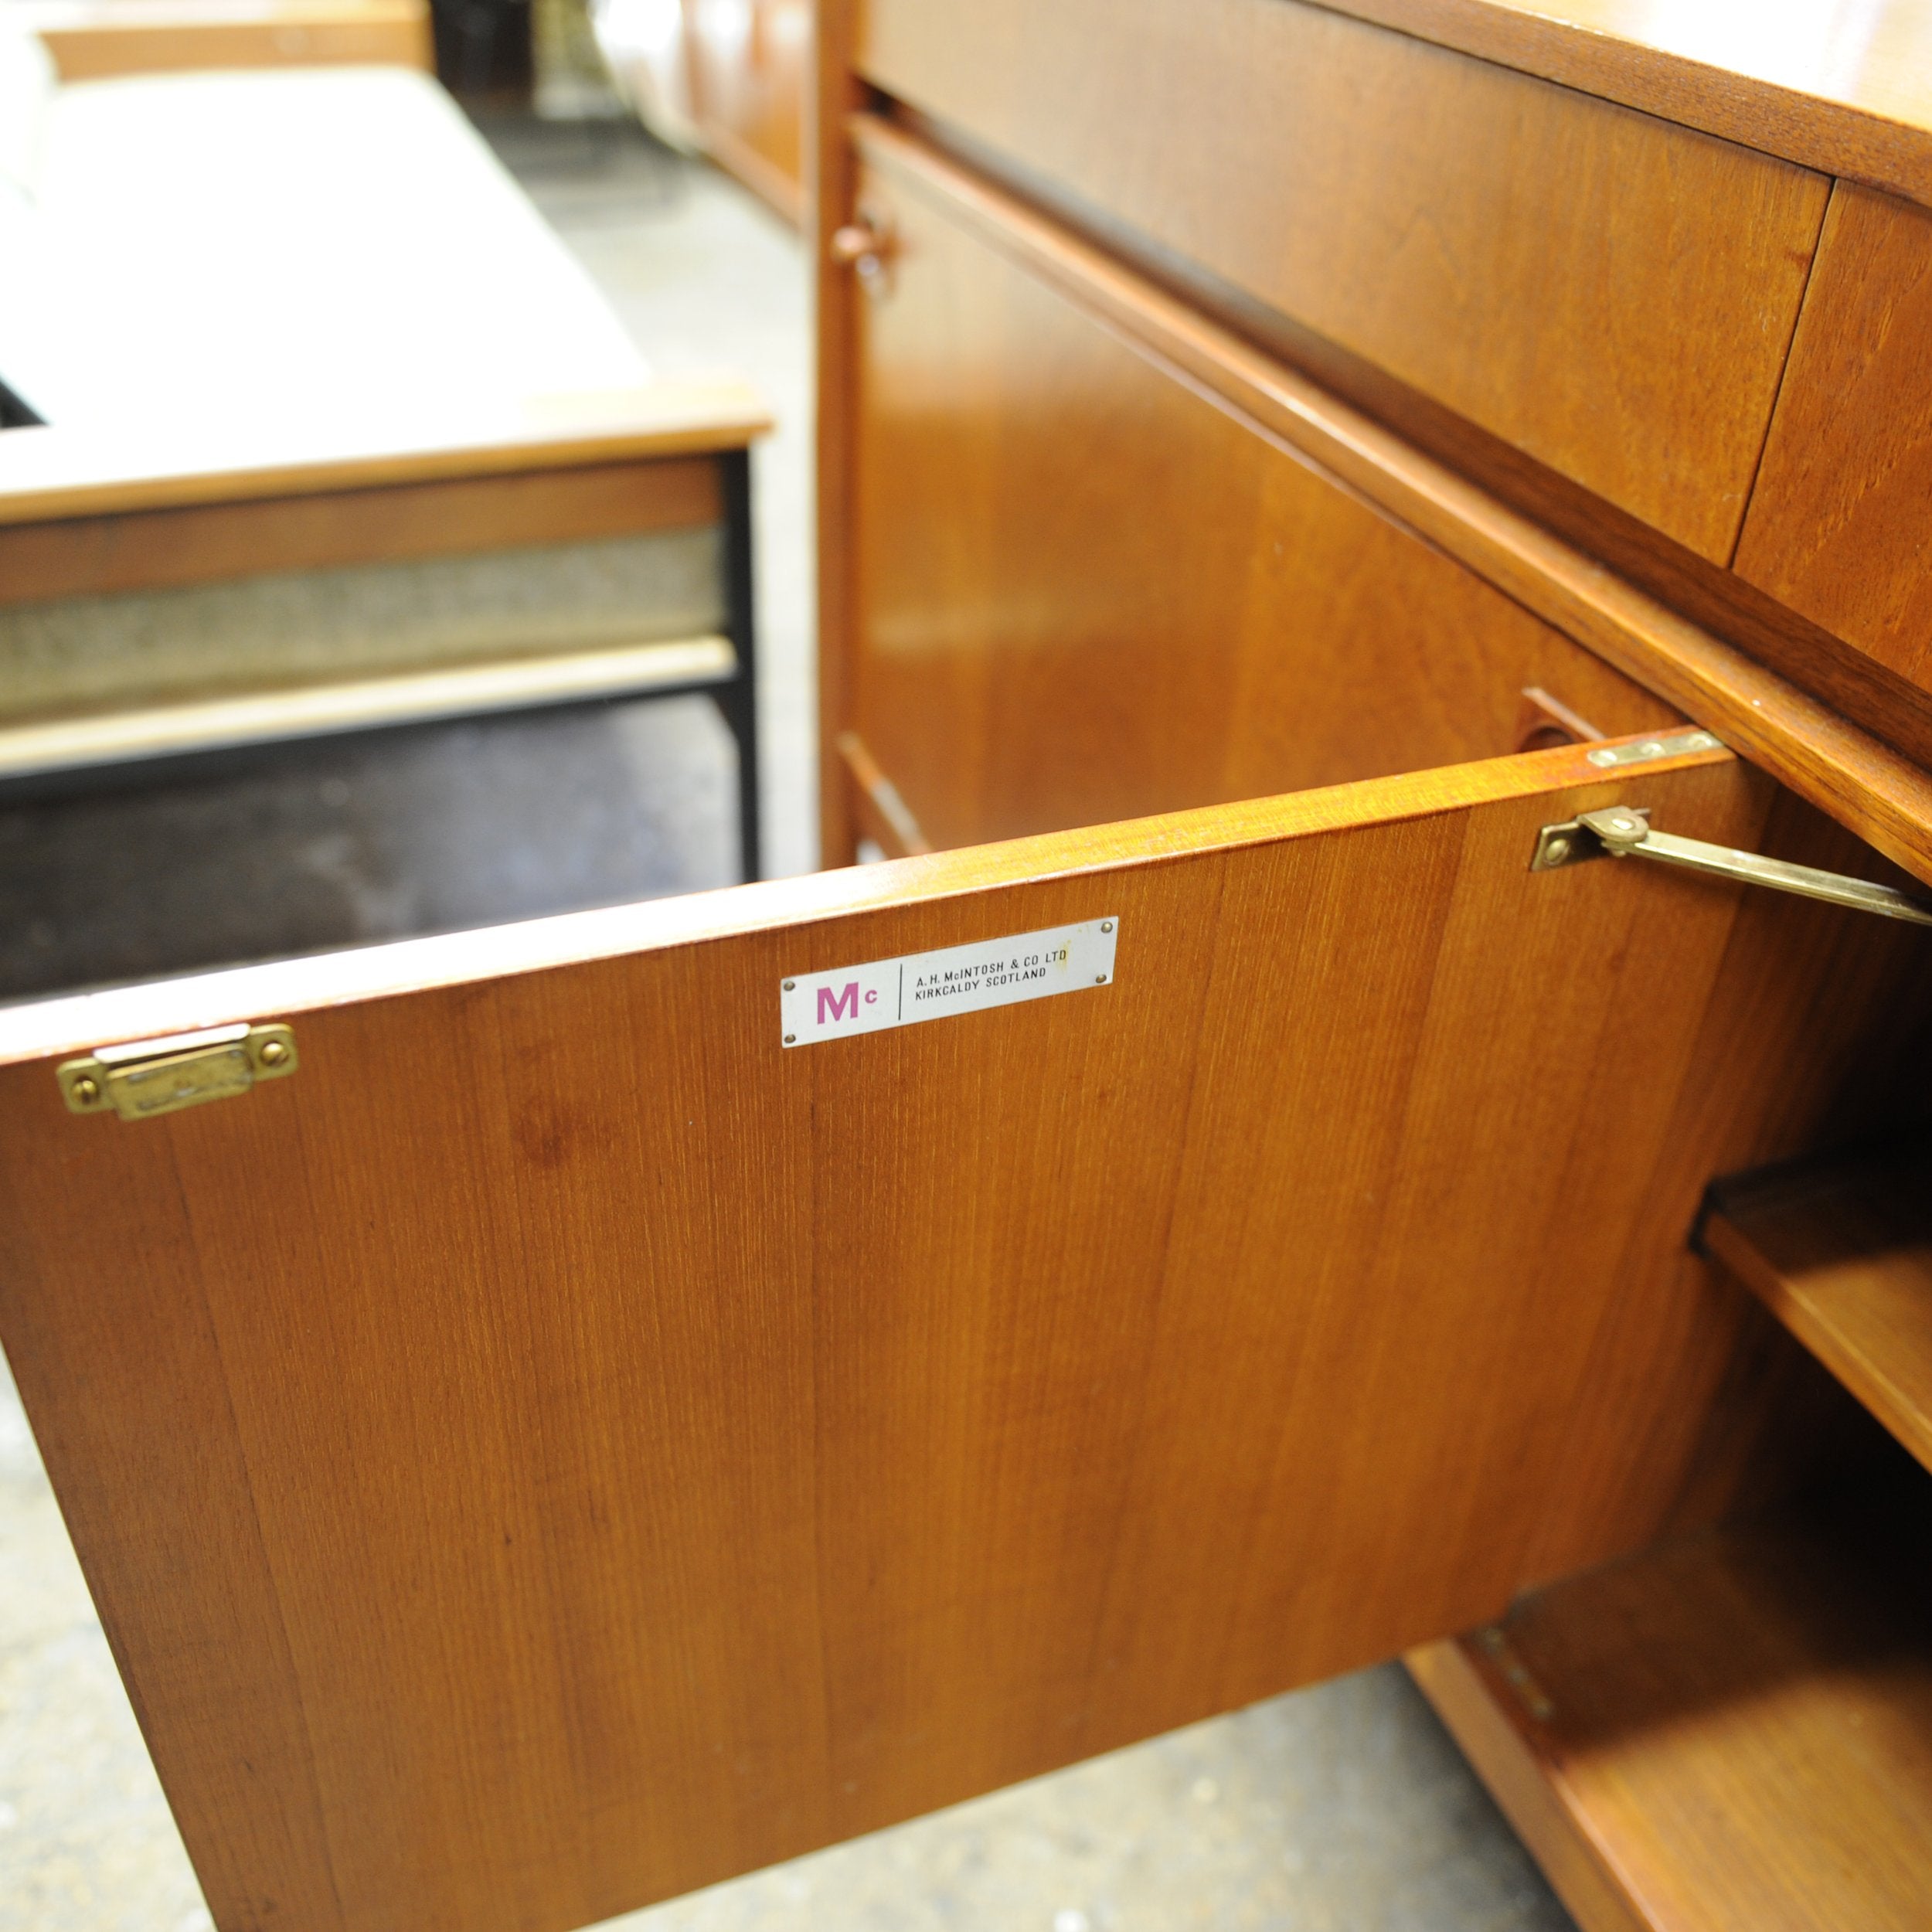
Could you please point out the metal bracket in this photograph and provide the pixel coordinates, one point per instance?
(1648, 750)
(1623, 832)
(163, 1075)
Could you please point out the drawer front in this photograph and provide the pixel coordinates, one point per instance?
(1838, 528)
(1084, 592)
(1609, 294)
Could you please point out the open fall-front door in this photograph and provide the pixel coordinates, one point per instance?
(563, 1445)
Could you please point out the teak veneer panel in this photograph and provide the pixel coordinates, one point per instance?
(1864, 782)
(561, 1449)
(99, 39)
(1838, 528)
(48, 471)
(1845, 89)
(1084, 592)
(1609, 294)
(747, 63)
(1842, 1256)
(1735, 1730)
(836, 94)
(208, 543)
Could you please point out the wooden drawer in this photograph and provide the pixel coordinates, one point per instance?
(137, 633)
(1611, 294)
(1085, 591)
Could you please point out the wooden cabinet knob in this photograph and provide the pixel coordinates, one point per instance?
(852, 243)
(865, 246)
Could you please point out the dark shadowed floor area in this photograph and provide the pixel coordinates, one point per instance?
(341, 841)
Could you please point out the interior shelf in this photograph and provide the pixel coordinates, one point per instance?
(1842, 1256)
(1733, 1730)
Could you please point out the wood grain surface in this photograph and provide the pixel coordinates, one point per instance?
(561, 1449)
(1849, 1003)
(1842, 1256)
(1731, 1730)
(834, 93)
(1846, 89)
(748, 62)
(1800, 738)
(1484, 1720)
(98, 39)
(1085, 592)
(205, 543)
(1837, 526)
(48, 472)
(1612, 295)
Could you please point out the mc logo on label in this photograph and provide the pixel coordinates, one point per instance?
(840, 1005)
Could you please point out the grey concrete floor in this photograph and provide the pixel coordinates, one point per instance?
(300, 848)
(1342, 1807)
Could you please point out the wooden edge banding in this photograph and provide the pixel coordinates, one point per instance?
(832, 91)
(126, 551)
(1484, 1720)
(419, 697)
(49, 472)
(99, 44)
(1862, 783)
(1833, 135)
(79, 1022)
(883, 816)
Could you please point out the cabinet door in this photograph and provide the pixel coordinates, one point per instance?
(747, 66)
(1083, 588)
(563, 1445)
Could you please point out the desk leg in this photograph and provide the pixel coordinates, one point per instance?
(738, 700)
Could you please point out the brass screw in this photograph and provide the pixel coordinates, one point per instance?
(86, 1091)
(789, 984)
(791, 1039)
(1557, 851)
(274, 1053)
(1099, 979)
(1107, 925)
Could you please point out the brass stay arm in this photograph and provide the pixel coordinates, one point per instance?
(1623, 832)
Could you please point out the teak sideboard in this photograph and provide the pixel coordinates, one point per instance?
(566, 1425)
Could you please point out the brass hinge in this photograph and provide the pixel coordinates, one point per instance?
(1496, 1646)
(1646, 751)
(1623, 832)
(153, 1077)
